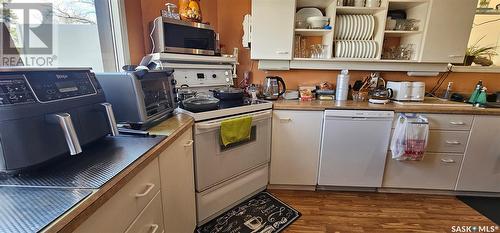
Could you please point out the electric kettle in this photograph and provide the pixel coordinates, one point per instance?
(271, 89)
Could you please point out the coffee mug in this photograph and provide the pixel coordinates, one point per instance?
(372, 3)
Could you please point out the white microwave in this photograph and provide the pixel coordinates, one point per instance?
(177, 36)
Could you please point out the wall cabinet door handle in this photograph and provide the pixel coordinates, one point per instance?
(455, 55)
(457, 123)
(149, 186)
(281, 52)
(286, 119)
(447, 160)
(189, 143)
(154, 228)
(453, 142)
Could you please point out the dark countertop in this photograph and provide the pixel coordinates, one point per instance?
(60, 195)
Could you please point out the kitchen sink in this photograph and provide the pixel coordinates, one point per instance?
(433, 101)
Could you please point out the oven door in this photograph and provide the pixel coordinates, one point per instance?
(215, 163)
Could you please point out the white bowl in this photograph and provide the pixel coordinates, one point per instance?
(318, 21)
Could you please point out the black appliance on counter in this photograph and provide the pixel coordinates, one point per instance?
(140, 98)
(49, 112)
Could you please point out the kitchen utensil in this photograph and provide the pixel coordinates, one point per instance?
(272, 89)
(185, 93)
(201, 103)
(228, 93)
(307, 12)
(381, 93)
(318, 22)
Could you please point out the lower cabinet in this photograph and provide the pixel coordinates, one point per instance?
(160, 198)
(150, 220)
(177, 185)
(118, 213)
(481, 166)
(435, 171)
(296, 141)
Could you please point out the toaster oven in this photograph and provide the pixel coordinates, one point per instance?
(177, 36)
(49, 112)
(140, 98)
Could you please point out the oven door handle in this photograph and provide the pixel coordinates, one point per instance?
(216, 124)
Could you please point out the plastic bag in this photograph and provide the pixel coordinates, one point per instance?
(409, 140)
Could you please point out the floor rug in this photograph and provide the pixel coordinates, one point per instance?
(262, 213)
(487, 206)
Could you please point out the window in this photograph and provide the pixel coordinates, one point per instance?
(486, 31)
(64, 33)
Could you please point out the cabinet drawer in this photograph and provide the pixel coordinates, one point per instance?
(449, 122)
(119, 211)
(447, 141)
(445, 121)
(150, 220)
(435, 171)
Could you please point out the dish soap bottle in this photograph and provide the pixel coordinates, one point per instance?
(481, 98)
(475, 94)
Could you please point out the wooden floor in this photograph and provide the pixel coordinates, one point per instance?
(328, 211)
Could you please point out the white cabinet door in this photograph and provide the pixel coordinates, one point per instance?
(448, 30)
(481, 166)
(435, 171)
(295, 147)
(177, 183)
(272, 29)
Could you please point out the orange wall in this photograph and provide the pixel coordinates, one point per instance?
(227, 16)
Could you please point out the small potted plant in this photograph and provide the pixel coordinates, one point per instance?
(476, 51)
(484, 3)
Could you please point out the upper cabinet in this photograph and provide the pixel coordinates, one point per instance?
(434, 34)
(448, 30)
(272, 29)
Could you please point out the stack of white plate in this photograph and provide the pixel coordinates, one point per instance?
(356, 49)
(354, 27)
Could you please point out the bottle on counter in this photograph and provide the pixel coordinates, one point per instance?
(342, 89)
(475, 94)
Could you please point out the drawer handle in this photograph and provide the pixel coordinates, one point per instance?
(286, 119)
(447, 160)
(189, 143)
(147, 191)
(457, 123)
(453, 142)
(154, 228)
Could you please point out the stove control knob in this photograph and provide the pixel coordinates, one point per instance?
(214, 76)
(226, 73)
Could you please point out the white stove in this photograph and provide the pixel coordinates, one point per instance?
(247, 107)
(224, 175)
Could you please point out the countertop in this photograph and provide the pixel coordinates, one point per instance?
(129, 156)
(320, 105)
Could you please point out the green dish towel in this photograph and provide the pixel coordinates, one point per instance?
(235, 130)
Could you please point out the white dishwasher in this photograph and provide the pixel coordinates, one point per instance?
(354, 147)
